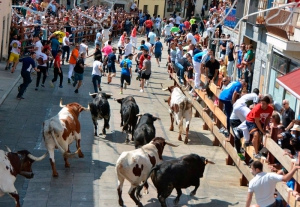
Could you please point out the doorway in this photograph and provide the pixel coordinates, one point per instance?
(2, 39)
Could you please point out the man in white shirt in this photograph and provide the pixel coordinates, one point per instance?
(190, 37)
(66, 48)
(97, 73)
(133, 6)
(178, 20)
(14, 53)
(128, 47)
(83, 48)
(42, 59)
(105, 35)
(99, 38)
(157, 24)
(263, 185)
(37, 45)
(152, 37)
(148, 44)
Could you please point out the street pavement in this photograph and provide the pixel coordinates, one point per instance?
(92, 181)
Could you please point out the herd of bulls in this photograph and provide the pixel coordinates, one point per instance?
(136, 166)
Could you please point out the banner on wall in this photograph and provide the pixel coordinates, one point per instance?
(230, 20)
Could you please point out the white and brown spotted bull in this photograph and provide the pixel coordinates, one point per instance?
(135, 166)
(180, 108)
(13, 164)
(61, 130)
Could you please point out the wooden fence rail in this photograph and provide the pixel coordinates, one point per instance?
(214, 124)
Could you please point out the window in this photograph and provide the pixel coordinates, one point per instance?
(279, 63)
(145, 9)
(156, 9)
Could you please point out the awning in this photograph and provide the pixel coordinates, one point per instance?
(291, 83)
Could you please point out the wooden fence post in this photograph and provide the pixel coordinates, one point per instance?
(218, 124)
(274, 132)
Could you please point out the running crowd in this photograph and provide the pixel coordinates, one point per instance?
(190, 53)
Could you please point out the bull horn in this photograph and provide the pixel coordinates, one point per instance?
(8, 149)
(165, 89)
(208, 162)
(86, 109)
(37, 158)
(156, 117)
(110, 94)
(172, 145)
(60, 103)
(91, 94)
(139, 114)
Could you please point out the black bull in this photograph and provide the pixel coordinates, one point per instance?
(178, 173)
(100, 109)
(145, 130)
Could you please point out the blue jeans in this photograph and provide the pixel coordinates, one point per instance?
(180, 71)
(26, 81)
(96, 81)
(278, 203)
(228, 110)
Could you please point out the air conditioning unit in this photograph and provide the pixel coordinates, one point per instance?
(297, 33)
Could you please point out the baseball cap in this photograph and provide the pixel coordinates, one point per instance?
(67, 34)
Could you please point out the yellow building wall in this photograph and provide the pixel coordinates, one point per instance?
(151, 4)
(5, 22)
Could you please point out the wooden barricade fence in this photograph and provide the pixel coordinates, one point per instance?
(219, 118)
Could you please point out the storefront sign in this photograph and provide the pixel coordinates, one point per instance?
(230, 20)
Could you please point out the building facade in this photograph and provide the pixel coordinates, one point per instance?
(275, 36)
(5, 22)
(156, 7)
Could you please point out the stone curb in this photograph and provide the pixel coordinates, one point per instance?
(9, 90)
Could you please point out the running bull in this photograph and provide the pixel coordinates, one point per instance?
(145, 130)
(129, 110)
(180, 108)
(13, 164)
(61, 130)
(178, 173)
(100, 109)
(135, 166)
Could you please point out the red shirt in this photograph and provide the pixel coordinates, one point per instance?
(257, 112)
(142, 58)
(187, 24)
(57, 61)
(148, 23)
(133, 33)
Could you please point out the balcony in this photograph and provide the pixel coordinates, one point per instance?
(283, 28)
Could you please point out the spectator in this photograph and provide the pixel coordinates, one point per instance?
(239, 56)
(230, 56)
(14, 53)
(229, 96)
(277, 105)
(263, 185)
(197, 59)
(256, 121)
(212, 67)
(288, 114)
(66, 48)
(179, 61)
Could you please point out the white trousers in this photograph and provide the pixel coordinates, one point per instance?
(134, 41)
(230, 68)
(197, 73)
(245, 130)
(71, 69)
(240, 111)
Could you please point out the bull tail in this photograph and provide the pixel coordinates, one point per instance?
(140, 187)
(65, 153)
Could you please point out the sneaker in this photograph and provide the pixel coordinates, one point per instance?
(19, 98)
(76, 91)
(36, 88)
(74, 84)
(72, 77)
(158, 65)
(257, 156)
(191, 91)
(142, 90)
(147, 83)
(60, 86)
(237, 132)
(125, 86)
(100, 89)
(222, 130)
(43, 85)
(249, 74)
(51, 84)
(6, 68)
(121, 92)
(198, 87)
(69, 80)
(242, 157)
(226, 134)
